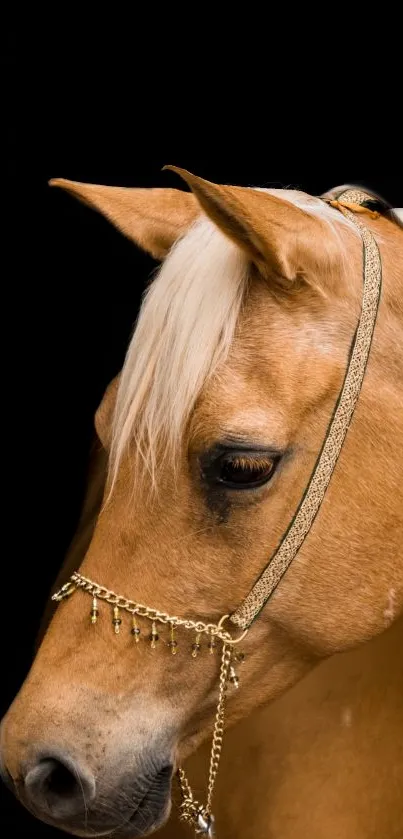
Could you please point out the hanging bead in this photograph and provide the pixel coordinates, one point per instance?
(233, 677)
(154, 636)
(116, 620)
(239, 657)
(212, 644)
(135, 630)
(196, 646)
(172, 643)
(94, 611)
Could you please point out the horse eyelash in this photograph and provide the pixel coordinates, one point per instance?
(250, 463)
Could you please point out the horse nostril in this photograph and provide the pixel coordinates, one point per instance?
(59, 787)
(60, 781)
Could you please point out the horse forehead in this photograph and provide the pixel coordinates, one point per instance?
(246, 402)
(265, 383)
(274, 350)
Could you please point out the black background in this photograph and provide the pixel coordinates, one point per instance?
(73, 285)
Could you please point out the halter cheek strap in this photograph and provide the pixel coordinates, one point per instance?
(349, 203)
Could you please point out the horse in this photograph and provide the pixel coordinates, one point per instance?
(212, 438)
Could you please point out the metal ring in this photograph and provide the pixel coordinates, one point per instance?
(231, 640)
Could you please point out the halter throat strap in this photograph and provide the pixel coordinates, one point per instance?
(350, 203)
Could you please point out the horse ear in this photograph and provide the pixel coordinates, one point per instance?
(152, 218)
(278, 237)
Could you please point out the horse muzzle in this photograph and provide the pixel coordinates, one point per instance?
(65, 793)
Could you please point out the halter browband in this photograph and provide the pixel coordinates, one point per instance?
(350, 202)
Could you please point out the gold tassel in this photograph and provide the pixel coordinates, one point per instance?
(212, 644)
(196, 646)
(233, 677)
(172, 643)
(239, 657)
(94, 611)
(154, 636)
(135, 629)
(116, 621)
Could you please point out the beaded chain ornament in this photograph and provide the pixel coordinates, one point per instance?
(200, 816)
(191, 811)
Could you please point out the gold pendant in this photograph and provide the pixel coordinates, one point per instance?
(212, 644)
(196, 646)
(233, 678)
(116, 620)
(154, 635)
(135, 629)
(94, 611)
(172, 643)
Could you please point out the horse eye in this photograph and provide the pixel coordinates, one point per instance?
(246, 470)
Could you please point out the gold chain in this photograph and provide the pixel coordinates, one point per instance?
(78, 581)
(219, 724)
(191, 811)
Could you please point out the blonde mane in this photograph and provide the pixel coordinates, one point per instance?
(184, 331)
